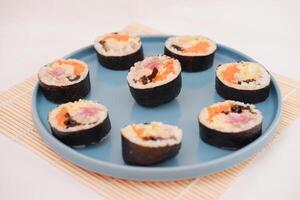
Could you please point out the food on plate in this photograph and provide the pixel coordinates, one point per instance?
(80, 123)
(154, 81)
(118, 51)
(243, 81)
(195, 53)
(64, 80)
(230, 124)
(150, 143)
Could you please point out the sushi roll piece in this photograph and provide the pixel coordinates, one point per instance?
(64, 80)
(154, 81)
(243, 81)
(150, 143)
(230, 124)
(79, 123)
(118, 51)
(195, 53)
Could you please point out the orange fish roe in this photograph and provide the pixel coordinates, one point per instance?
(228, 73)
(119, 37)
(201, 47)
(168, 68)
(139, 131)
(78, 67)
(61, 117)
(215, 110)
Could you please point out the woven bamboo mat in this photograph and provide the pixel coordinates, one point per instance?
(16, 123)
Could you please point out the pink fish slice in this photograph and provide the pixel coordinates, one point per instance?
(235, 118)
(88, 111)
(155, 63)
(56, 72)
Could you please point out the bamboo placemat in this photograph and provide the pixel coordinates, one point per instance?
(16, 123)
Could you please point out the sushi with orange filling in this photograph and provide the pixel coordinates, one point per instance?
(79, 123)
(230, 124)
(195, 53)
(154, 81)
(243, 81)
(64, 80)
(150, 143)
(118, 51)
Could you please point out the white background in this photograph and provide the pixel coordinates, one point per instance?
(33, 33)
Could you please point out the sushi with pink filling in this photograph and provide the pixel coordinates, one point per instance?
(230, 124)
(155, 81)
(79, 123)
(64, 80)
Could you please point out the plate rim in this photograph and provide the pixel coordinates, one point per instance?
(156, 173)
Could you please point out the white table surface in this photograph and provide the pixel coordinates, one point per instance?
(33, 33)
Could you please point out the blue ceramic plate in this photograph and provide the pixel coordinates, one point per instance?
(195, 157)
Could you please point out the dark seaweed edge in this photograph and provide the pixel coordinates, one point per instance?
(121, 62)
(84, 137)
(192, 63)
(134, 154)
(247, 96)
(152, 97)
(64, 94)
(229, 140)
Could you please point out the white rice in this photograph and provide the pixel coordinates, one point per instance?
(188, 41)
(154, 129)
(220, 121)
(45, 76)
(73, 108)
(248, 70)
(117, 48)
(139, 69)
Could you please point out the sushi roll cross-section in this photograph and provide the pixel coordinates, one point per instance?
(195, 53)
(150, 143)
(79, 123)
(230, 124)
(243, 81)
(118, 51)
(64, 80)
(154, 81)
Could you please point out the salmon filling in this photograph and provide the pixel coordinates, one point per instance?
(152, 134)
(230, 115)
(118, 37)
(243, 75)
(63, 72)
(81, 113)
(117, 44)
(160, 71)
(154, 70)
(191, 45)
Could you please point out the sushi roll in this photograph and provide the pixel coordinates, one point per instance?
(243, 81)
(154, 81)
(79, 123)
(64, 80)
(150, 143)
(195, 53)
(230, 124)
(118, 51)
